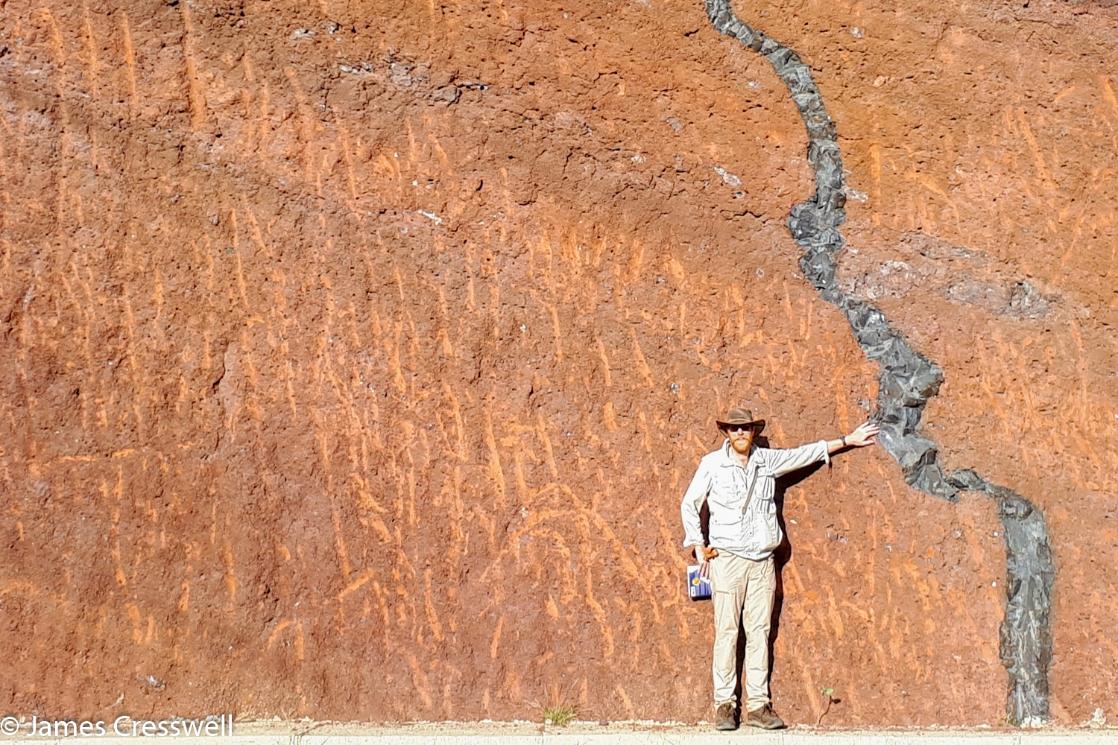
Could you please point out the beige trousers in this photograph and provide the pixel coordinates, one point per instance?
(744, 591)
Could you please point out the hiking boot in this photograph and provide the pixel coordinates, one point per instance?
(724, 717)
(765, 718)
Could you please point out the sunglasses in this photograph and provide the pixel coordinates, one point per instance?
(734, 428)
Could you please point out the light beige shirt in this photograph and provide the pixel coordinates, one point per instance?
(747, 528)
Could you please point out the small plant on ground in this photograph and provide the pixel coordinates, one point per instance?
(560, 707)
(560, 715)
(830, 694)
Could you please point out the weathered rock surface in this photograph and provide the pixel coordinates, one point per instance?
(353, 358)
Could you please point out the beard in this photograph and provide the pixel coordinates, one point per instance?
(741, 445)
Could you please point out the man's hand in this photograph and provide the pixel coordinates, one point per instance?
(703, 555)
(863, 436)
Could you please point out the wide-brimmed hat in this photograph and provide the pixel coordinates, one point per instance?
(739, 416)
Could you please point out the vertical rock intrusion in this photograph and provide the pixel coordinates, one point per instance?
(907, 380)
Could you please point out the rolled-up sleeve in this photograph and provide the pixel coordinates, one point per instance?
(693, 500)
(781, 462)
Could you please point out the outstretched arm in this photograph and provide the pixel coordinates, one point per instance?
(781, 462)
(859, 438)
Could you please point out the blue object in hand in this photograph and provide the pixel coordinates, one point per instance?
(698, 588)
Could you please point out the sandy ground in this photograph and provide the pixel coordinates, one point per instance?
(668, 729)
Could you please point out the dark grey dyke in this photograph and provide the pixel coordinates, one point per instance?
(906, 380)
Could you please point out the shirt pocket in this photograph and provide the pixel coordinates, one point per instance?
(766, 511)
(765, 494)
(725, 522)
(725, 494)
(766, 503)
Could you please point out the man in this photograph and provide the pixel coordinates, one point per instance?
(738, 482)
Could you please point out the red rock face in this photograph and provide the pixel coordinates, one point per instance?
(355, 358)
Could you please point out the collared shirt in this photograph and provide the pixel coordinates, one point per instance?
(747, 528)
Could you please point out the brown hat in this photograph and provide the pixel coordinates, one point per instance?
(739, 415)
